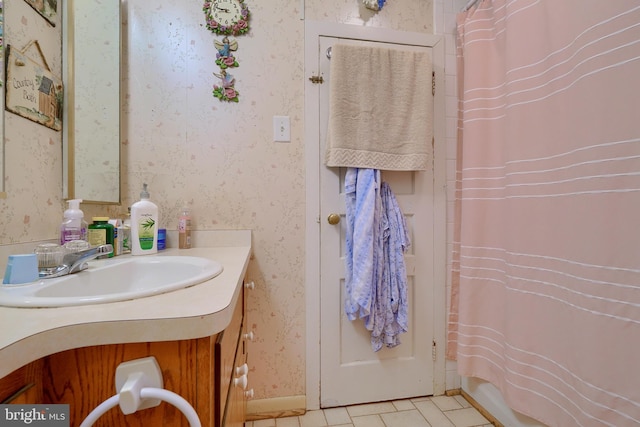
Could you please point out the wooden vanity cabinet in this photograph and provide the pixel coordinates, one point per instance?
(200, 370)
(85, 377)
(22, 385)
(230, 354)
(236, 403)
(239, 389)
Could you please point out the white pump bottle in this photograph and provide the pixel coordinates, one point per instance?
(144, 225)
(73, 226)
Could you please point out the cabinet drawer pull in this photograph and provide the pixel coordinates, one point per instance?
(250, 285)
(248, 394)
(242, 370)
(249, 336)
(241, 382)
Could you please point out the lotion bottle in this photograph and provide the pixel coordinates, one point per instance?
(184, 228)
(144, 225)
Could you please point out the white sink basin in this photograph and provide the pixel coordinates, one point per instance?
(113, 280)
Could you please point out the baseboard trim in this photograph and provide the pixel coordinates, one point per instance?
(493, 420)
(277, 407)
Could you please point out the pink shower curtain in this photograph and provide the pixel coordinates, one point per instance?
(546, 275)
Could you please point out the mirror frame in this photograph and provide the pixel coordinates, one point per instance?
(3, 194)
(69, 144)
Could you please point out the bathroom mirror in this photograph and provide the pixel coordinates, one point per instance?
(2, 193)
(91, 122)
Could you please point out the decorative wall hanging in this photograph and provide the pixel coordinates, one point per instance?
(47, 8)
(227, 18)
(33, 91)
(224, 57)
(227, 91)
(374, 4)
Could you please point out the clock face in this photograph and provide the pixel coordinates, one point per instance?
(229, 17)
(226, 12)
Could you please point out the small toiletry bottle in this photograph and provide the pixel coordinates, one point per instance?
(101, 232)
(73, 226)
(117, 236)
(184, 228)
(126, 233)
(144, 225)
(162, 238)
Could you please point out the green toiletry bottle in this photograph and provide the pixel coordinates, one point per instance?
(100, 233)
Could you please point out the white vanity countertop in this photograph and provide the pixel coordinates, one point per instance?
(29, 334)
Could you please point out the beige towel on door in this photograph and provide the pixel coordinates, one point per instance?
(380, 108)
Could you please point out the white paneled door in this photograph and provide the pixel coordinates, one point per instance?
(350, 371)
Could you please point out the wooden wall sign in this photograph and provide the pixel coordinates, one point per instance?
(33, 91)
(47, 8)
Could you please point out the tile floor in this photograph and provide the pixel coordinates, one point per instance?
(439, 411)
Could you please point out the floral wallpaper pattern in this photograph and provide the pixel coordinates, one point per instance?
(32, 152)
(218, 157)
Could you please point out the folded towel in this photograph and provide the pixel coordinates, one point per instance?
(380, 108)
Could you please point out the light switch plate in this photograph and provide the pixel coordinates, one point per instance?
(281, 129)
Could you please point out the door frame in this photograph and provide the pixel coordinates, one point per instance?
(314, 30)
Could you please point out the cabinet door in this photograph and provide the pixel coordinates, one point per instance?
(247, 338)
(236, 403)
(85, 377)
(23, 385)
(225, 356)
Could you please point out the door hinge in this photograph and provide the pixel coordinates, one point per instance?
(433, 83)
(316, 79)
(433, 350)
(433, 154)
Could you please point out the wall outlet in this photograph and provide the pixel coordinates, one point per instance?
(281, 129)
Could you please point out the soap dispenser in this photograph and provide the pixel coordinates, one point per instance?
(144, 225)
(73, 226)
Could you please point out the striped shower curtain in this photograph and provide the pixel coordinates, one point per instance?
(546, 273)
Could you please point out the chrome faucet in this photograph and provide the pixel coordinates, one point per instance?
(75, 261)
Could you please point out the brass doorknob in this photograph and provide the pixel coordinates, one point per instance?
(333, 219)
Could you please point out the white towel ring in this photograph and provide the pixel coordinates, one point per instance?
(147, 393)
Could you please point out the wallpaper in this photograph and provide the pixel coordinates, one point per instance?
(217, 157)
(33, 152)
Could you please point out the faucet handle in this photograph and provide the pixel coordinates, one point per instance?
(77, 246)
(49, 255)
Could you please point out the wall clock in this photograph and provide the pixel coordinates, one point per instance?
(227, 17)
